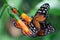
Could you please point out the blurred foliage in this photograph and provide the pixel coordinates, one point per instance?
(28, 6)
(1, 3)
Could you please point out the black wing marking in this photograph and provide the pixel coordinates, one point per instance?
(33, 29)
(43, 9)
(47, 27)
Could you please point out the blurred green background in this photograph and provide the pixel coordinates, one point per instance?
(29, 7)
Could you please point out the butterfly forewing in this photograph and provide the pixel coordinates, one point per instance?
(40, 21)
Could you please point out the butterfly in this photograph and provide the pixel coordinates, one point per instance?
(38, 25)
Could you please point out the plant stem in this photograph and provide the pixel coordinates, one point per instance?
(3, 9)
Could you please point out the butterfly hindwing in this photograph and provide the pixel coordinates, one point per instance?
(48, 29)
